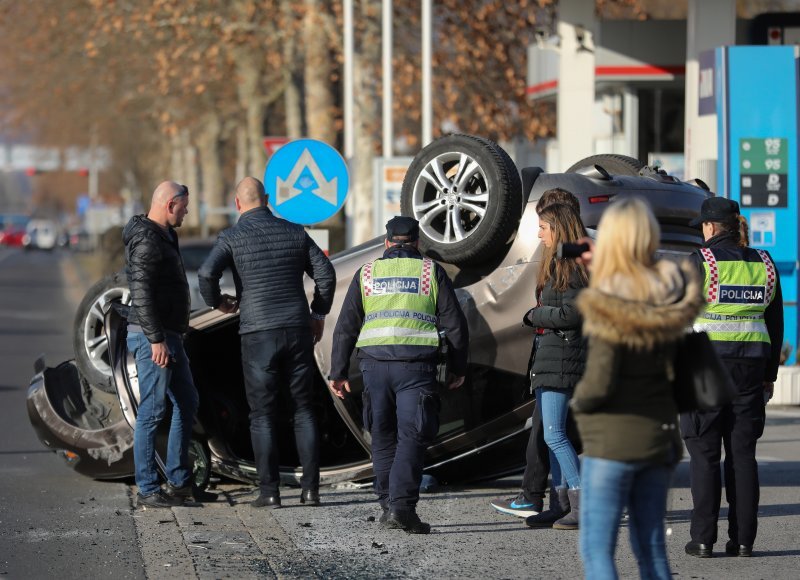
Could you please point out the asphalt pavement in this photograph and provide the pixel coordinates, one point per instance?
(54, 523)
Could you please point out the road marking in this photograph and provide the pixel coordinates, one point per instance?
(27, 315)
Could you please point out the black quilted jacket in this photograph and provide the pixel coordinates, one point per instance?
(156, 278)
(268, 257)
(560, 359)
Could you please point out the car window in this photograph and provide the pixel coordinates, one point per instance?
(194, 256)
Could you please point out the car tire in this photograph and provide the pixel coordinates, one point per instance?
(89, 336)
(472, 225)
(612, 163)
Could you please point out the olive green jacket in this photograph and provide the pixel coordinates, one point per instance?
(624, 404)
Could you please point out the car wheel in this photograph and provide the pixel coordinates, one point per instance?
(613, 164)
(89, 336)
(467, 195)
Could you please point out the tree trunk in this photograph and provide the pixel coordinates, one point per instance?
(191, 179)
(320, 101)
(241, 152)
(291, 77)
(367, 120)
(213, 186)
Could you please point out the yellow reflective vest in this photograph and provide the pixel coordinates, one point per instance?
(399, 297)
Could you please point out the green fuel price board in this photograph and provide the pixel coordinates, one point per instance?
(763, 165)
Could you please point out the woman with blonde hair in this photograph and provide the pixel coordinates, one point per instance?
(635, 309)
(559, 360)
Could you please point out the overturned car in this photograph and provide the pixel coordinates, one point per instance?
(477, 217)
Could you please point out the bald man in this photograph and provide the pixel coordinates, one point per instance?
(158, 318)
(269, 257)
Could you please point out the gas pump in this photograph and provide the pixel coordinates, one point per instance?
(755, 98)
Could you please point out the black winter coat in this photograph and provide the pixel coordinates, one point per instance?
(560, 357)
(268, 257)
(160, 298)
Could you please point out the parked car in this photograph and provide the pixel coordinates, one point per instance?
(12, 236)
(477, 217)
(41, 234)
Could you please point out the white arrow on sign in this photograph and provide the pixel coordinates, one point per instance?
(325, 189)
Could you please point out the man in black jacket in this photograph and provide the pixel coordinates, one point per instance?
(392, 314)
(158, 317)
(268, 257)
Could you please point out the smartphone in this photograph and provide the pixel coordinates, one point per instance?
(571, 250)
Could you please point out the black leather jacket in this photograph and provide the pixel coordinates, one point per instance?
(156, 278)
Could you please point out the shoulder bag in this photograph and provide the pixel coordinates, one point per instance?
(702, 382)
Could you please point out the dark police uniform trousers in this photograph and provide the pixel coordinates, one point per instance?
(401, 412)
(738, 427)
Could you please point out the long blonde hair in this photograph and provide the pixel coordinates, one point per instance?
(627, 239)
(566, 224)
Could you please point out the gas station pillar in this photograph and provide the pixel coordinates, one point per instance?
(575, 100)
(710, 23)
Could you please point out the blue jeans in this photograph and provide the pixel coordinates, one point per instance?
(271, 358)
(564, 464)
(155, 385)
(608, 487)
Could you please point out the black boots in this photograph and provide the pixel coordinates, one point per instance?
(559, 507)
(570, 521)
(407, 520)
(699, 550)
(273, 501)
(310, 497)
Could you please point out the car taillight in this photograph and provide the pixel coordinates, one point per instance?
(599, 199)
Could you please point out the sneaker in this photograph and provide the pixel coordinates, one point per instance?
(158, 500)
(184, 492)
(384, 516)
(519, 506)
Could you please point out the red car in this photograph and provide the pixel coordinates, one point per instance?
(12, 237)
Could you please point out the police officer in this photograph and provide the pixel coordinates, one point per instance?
(393, 312)
(744, 319)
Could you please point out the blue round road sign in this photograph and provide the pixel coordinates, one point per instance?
(307, 181)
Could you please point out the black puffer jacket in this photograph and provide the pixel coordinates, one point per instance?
(268, 257)
(560, 357)
(156, 278)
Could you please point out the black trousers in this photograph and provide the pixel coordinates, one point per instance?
(736, 427)
(271, 358)
(537, 455)
(401, 412)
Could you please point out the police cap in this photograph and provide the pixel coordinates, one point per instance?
(716, 209)
(402, 229)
